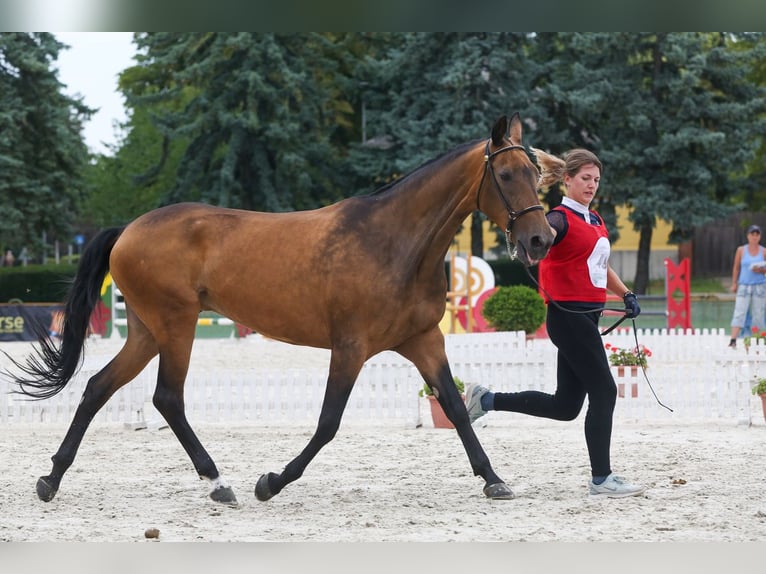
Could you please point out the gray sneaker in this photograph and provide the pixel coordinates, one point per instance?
(615, 487)
(473, 396)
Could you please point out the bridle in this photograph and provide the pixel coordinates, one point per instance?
(513, 215)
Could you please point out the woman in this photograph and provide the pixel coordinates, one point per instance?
(574, 278)
(749, 283)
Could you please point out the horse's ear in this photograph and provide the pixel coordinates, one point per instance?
(515, 129)
(500, 131)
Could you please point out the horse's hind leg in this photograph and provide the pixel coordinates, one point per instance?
(427, 354)
(343, 373)
(169, 401)
(133, 357)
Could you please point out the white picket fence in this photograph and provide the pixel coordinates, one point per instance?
(693, 373)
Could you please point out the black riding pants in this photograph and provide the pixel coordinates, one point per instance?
(582, 369)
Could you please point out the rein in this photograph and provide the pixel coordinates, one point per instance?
(513, 215)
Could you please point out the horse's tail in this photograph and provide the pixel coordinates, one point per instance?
(51, 367)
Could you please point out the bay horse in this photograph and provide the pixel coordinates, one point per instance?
(358, 277)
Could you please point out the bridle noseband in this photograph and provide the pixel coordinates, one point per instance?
(512, 214)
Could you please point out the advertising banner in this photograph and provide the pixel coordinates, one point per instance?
(16, 321)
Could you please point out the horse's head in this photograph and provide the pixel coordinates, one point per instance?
(508, 192)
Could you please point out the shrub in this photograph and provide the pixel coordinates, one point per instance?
(760, 387)
(515, 308)
(426, 390)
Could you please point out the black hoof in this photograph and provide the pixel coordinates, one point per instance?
(498, 491)
(262, 490)
(224, 495)
(45, 489)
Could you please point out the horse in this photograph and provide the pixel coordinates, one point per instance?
(358, 277)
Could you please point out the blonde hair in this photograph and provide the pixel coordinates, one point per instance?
(553, 169)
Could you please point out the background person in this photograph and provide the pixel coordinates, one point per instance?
(748, 281)
(575, 275)
(8, 258)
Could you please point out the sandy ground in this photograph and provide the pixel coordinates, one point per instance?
(387, 483)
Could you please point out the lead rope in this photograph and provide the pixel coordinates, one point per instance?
(642, 363)
(512, 254)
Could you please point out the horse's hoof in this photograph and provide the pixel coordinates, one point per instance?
(498, 491)
(262, 490)
(45, 490)
(224, 495)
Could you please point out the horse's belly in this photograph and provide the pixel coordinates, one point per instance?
(276, 316)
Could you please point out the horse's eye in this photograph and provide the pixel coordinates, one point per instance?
(506, 176)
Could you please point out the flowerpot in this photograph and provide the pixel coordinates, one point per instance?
(763, 404)
(437, 414)
(625, 372)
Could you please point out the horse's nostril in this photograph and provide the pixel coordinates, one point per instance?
(539, 245)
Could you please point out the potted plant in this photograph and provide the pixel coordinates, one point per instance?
(437, 413)
(760, 390)
(627, 360)
(515, 308)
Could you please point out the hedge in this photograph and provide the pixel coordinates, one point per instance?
(49, 283)
(35, 283)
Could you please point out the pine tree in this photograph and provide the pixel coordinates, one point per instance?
(260, 114)
(42, 154)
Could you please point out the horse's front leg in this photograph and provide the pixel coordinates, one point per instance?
(344, 370)
(427, 353)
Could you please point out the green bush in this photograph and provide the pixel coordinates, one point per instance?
(515, 308)
(760, 387)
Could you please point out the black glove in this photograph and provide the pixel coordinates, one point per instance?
(632, 310)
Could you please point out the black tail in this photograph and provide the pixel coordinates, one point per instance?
(49, 370)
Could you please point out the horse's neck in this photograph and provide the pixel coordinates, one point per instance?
(430, 208)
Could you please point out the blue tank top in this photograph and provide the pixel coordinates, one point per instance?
(746, 275)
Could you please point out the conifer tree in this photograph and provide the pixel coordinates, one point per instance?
(42, 154)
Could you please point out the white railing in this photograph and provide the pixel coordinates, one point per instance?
(693, 373)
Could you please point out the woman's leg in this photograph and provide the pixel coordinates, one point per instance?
(741, 305)
(758, 307)
(582, 369)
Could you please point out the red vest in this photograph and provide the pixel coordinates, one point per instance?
(575, 269)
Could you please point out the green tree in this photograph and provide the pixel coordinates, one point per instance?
(132, 180)
(753, 194)
(262, 116)
(42, 154)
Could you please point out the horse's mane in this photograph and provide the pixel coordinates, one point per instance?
(446, 156)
